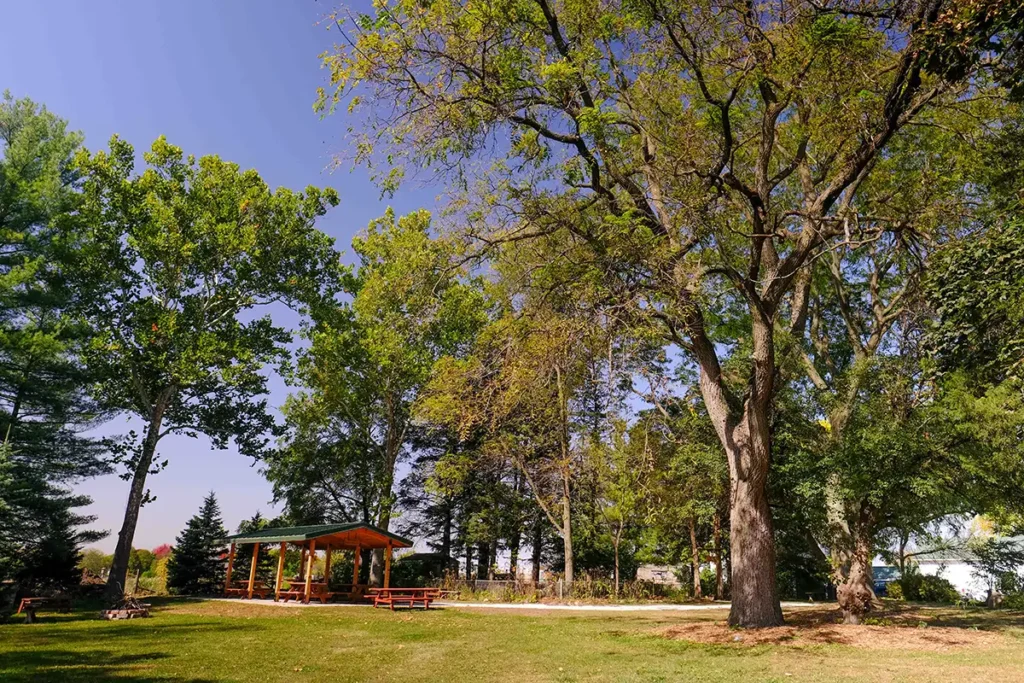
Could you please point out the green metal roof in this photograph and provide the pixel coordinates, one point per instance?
(309, 532)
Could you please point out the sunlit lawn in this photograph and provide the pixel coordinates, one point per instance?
(219, 641)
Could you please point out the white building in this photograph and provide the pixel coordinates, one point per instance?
(959, 565)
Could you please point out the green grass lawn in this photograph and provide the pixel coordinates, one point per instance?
(218, 641)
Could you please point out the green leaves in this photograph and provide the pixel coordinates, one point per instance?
(168, 262)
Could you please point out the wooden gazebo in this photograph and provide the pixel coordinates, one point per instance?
(329, 537)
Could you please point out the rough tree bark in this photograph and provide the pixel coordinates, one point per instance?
(851, 561)
(137, 493)
(743, 430)
(538, 548)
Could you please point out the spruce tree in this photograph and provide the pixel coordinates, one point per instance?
(266, 565)
(197, 564)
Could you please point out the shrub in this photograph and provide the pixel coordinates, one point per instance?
(920, 588)
(1013, 601)
(894, 590)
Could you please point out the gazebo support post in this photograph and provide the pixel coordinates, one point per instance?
(327, 566)
(355, 565)
(387, 566)
(231, 565)
(280, 570)
(252, 569)
(309, 570)
(302, 564)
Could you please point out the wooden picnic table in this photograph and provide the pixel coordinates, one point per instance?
(409, 597)
(297, 589)
(241, 589)
(30, 606)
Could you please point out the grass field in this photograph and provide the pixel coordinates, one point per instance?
(224, 641)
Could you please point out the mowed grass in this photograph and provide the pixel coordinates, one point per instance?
(221, 641)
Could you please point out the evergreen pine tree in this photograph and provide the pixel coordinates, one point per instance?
(266, 565)
(197, 564)
(44, 405)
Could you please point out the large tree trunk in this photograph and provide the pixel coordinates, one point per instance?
(122, 551)
(695, 558)
(538, 548)
(483, 560)
(746, 437)
(377, 559)
(755, 602)
(854, 577)
(492, 558)
(513, 553)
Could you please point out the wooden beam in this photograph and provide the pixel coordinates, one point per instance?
(309, 570)
(355, 564)
(387, 566)
(231, 565)
(302, 564)
(280, 570)
(327, 566)
(252, 569)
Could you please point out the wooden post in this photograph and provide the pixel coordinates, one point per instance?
(231, 565)
(355, 564)
(309, 569)
(387, 565)
(280, 570)
(252, 569)
(302, 564)
(327, 566)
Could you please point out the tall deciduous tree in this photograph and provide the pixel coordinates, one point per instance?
(368, 360)
(704, 152)
(174, 262)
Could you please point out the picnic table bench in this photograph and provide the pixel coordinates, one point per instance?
(409, 597)
(297, 589)
(32, 605)
(241, 589)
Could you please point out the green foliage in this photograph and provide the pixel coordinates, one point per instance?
(977, 288)
(351, 424)
(918, 587)
(969, 33)
(266, 563)
(172, 266)
(43, 403)
(95, 561)
(700, 179)
(197, 564)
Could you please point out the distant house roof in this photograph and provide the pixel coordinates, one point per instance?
(339, 536)
(961, 552)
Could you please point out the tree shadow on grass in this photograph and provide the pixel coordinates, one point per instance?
(74, 666)
(128, 650)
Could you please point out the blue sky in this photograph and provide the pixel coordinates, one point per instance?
(229, 77)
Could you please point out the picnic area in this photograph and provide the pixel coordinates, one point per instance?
(193, 640)
(327, 538)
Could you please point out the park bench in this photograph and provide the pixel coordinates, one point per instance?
(409, 597)
(30, 606)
